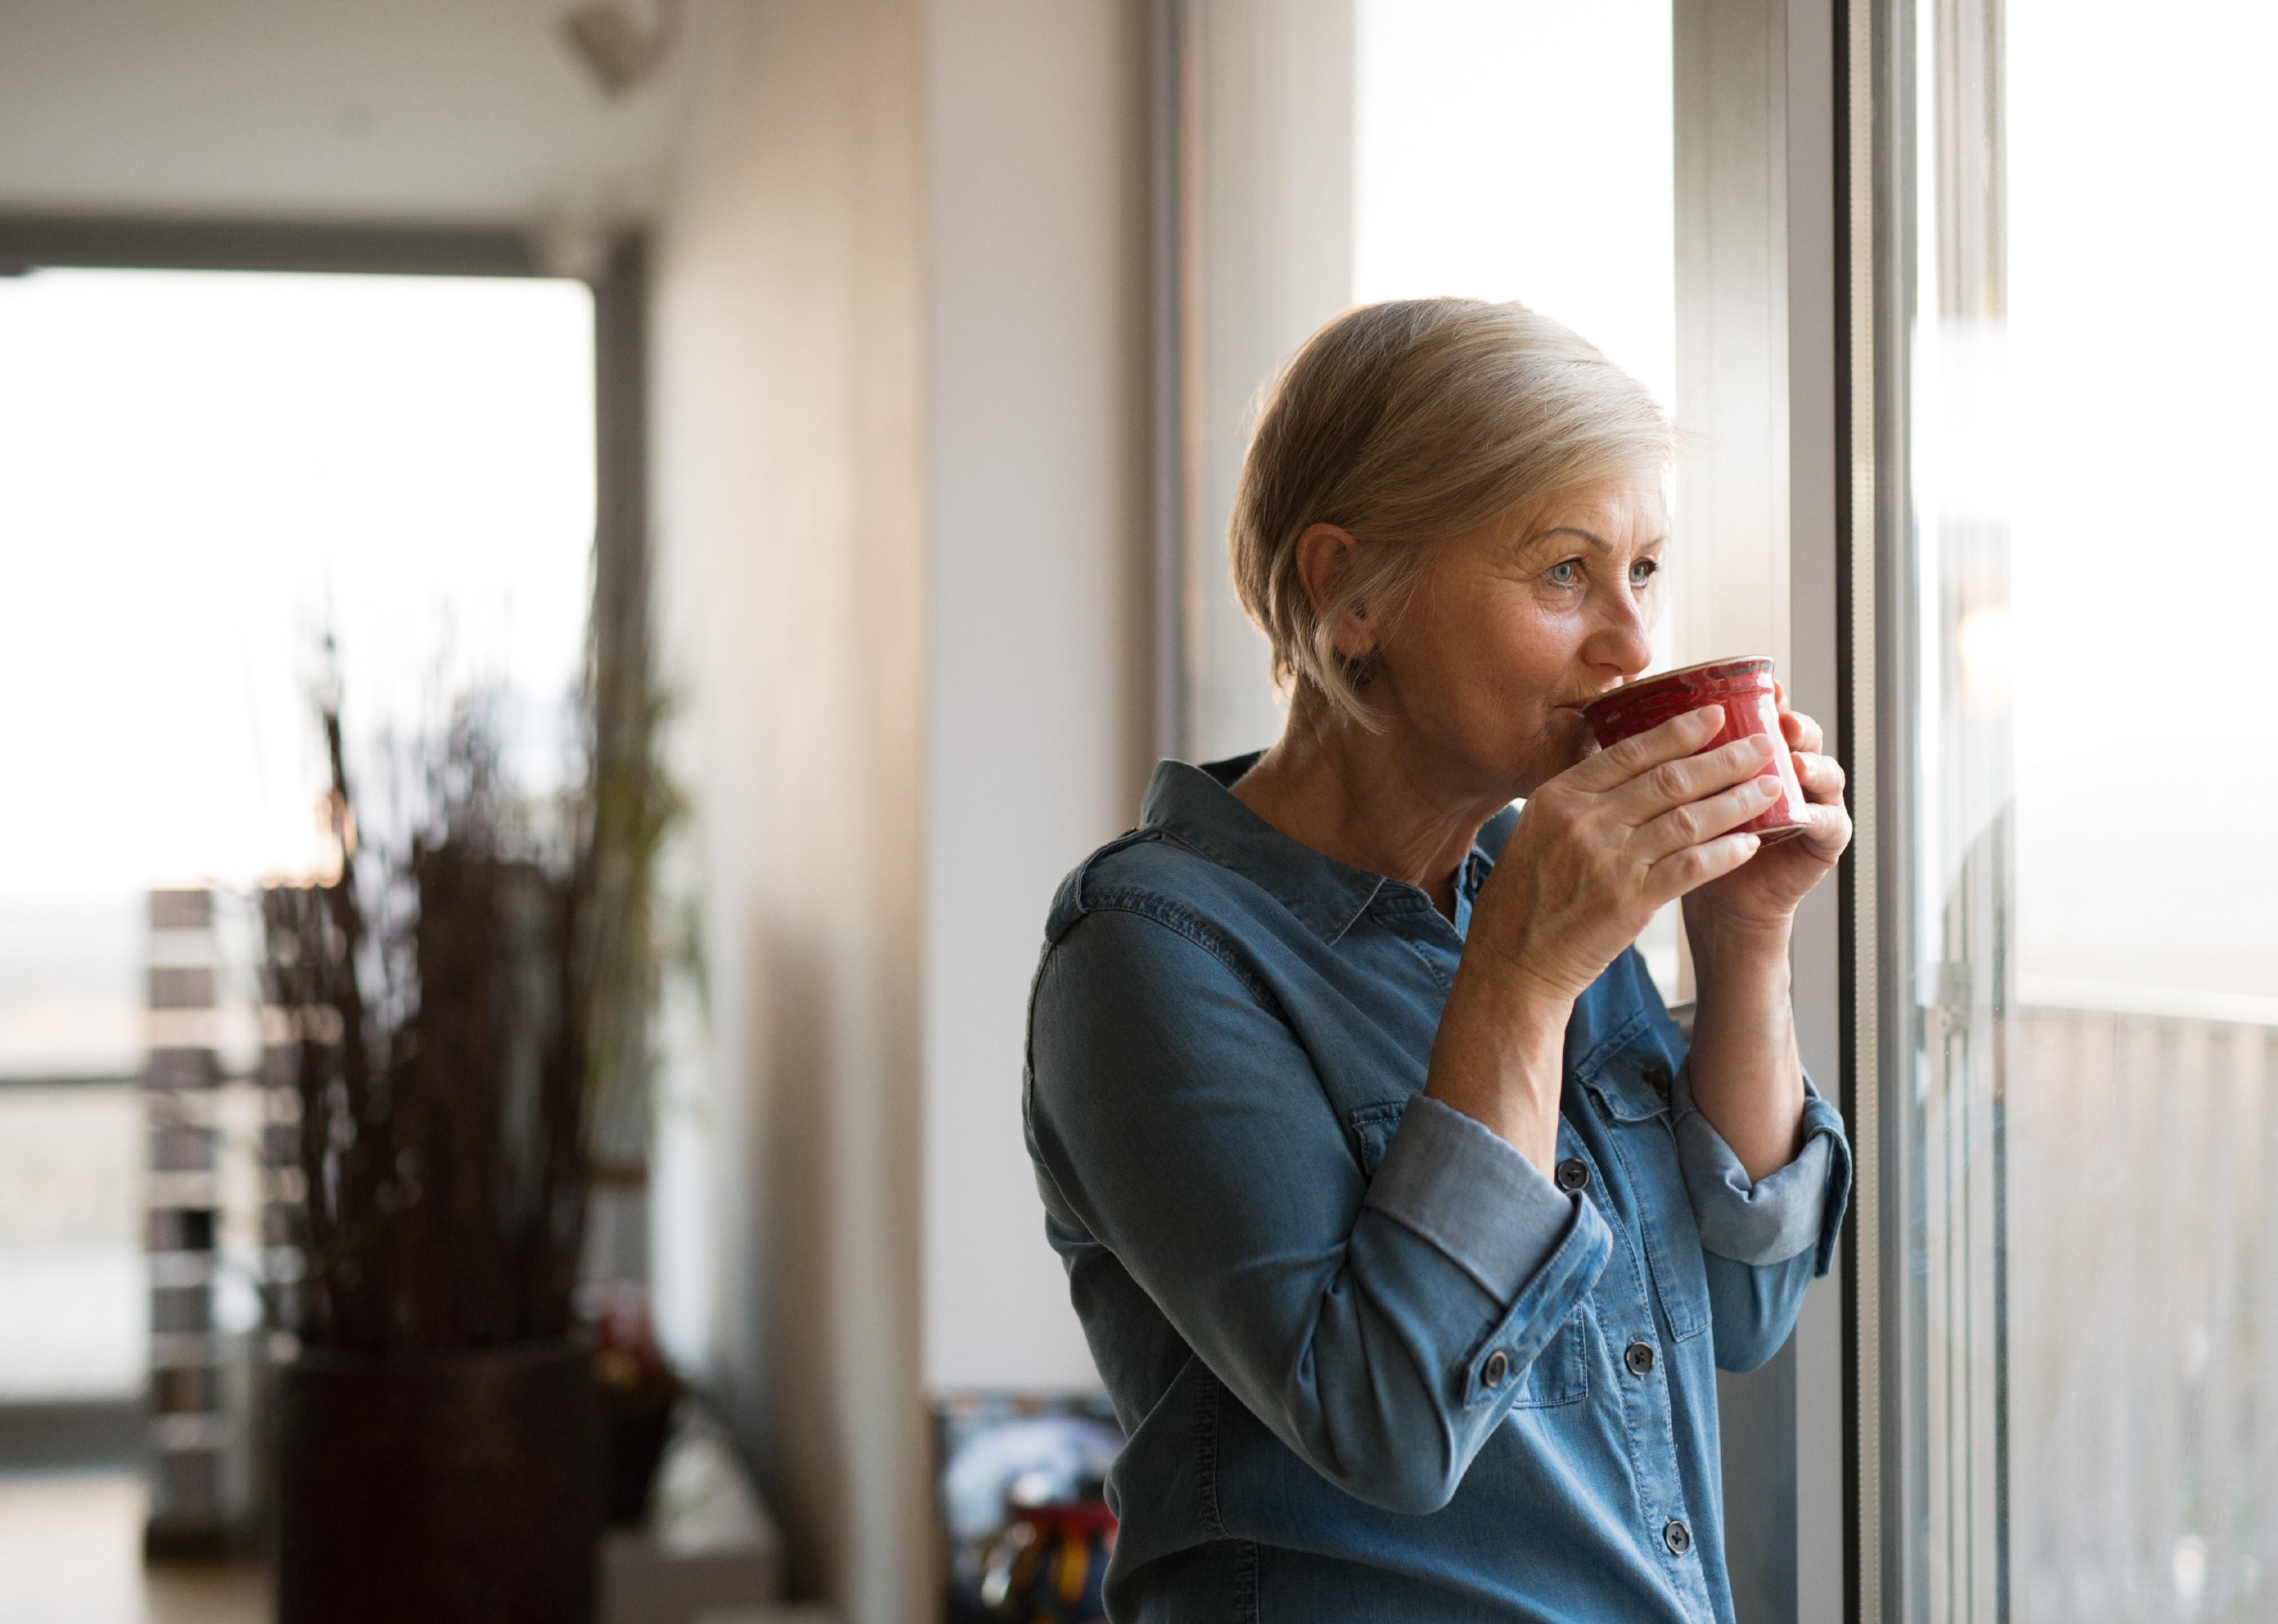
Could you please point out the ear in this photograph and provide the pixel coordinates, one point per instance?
(1325, 551)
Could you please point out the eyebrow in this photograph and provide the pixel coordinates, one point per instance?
(1592, 536)
(1598, 541)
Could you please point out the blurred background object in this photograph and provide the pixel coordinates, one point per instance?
(434, 1002)
(621, 51)
(638, 1393)
(216, 1200)
(1023, 1503)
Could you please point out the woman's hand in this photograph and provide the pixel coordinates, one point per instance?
(1596, 851)
(1599, 848)
(1758, 899)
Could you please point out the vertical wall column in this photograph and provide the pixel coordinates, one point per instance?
(1756, 333)
(788, 365)
(1040, 733)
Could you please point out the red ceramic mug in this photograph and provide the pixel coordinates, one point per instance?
(1744, 688)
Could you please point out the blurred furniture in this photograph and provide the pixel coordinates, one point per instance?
(213, 1232)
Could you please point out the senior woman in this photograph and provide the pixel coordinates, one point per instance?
(1406, 1227)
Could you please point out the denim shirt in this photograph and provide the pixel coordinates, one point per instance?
(1371, 1363)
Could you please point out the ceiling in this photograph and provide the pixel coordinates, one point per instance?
(371, 110)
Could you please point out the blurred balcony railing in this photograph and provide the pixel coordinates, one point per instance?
(2142, 1141)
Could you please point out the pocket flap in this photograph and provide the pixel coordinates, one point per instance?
(1371, 1127)
(1630, 1080)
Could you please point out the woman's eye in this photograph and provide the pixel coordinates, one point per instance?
(1643, 570)
(1566, 572)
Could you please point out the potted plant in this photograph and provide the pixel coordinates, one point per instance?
(443, 1003)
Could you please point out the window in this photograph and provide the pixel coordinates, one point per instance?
(200, 473)
(2078, 1010)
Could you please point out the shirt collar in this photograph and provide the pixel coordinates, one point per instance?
(1196, 806)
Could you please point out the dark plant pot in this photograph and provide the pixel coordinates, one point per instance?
(637, 1425)
(439, 1487)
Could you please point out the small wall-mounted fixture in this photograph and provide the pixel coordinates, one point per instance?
(617, 50)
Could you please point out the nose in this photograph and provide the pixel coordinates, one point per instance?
(1621, 643)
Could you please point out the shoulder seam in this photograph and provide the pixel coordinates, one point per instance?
(1184, 922)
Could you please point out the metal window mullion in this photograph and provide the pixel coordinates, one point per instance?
(1873, 66)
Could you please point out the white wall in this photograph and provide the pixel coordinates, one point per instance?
(902, 457)
(1038, 679)
(790, 473)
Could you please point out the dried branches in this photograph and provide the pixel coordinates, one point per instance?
(440, 996)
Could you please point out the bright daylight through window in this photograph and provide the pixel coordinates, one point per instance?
(2088, 1135)
(201, 476)
(1472, 176)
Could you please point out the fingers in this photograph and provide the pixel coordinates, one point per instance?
(1822, 777)
(1698, 821)
(1673, 740)
(1802, 732)
(1691, 778)
(1695, 866)
(1827, 831)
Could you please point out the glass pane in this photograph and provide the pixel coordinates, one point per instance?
(2091, 1160)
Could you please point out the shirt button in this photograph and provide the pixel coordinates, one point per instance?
(1573, 1174)
(1495, 1369)
(1656, 1078)
(1677, 1537)
(1638, 1358)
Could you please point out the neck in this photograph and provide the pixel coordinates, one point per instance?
(1367, 800)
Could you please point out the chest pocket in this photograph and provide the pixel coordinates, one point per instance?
(1560, 1373)
(1629, 1088)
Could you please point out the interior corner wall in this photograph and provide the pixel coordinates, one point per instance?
(789, 466)
(1040, 682)
(1755, 124)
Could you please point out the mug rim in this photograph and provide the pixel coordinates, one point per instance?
(1735, 665)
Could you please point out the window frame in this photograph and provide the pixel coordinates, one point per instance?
(1876, 180)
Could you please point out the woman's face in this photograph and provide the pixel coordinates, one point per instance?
(1513, 628)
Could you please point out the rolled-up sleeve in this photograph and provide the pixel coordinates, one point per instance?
(1459, 1186)
(1380, 1328)
(1763, 1240)
(1797, 1208)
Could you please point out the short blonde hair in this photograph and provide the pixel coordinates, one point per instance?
(1406, 423)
